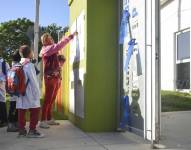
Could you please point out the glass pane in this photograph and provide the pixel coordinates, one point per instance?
(183, 76)
(183, 46)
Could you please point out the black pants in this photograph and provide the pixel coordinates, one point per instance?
(3, 112)
(13, 113)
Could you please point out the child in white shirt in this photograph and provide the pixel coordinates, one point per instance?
(31, 100)
(13, 113)
(4, 67)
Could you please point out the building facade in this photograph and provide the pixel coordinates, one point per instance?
(106, 84)
(93, 64)
(175, 45)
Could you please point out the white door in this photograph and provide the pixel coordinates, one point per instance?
(143, 87)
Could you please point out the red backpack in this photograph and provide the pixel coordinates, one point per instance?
(16, 80)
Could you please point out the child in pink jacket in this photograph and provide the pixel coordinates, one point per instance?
(52, 74)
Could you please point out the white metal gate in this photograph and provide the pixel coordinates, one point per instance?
(143, 89)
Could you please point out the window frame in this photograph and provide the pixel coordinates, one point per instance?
(184, 60)
(188, 60)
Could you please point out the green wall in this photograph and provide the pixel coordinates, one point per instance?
(101, 64)
(76, 6)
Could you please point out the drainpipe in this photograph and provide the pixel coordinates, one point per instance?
(119, 73)
(36, 29)
(179, 14)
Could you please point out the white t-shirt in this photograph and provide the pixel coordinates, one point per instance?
(32, 97)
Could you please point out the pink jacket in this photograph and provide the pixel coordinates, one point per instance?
(50, 57)
(54, 48)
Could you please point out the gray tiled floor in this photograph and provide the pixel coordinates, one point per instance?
(68, 137)
(176, 132)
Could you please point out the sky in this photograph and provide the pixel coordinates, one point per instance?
(51, 11)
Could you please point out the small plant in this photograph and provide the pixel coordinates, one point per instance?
(175, 101)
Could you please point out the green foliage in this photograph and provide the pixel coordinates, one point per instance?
(175, 101)
(17, 32)
(13, 34)
(55, 31)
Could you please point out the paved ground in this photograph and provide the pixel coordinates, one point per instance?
(176, 130)
(68, 137)
(175, 135)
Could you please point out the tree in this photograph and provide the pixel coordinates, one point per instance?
(13, 34)
(55, 31)
(17, 32)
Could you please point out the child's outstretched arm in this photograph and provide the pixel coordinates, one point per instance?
(61, 44)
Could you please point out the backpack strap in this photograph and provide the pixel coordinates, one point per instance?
(23, 64)
(27, 82)
(26, 87)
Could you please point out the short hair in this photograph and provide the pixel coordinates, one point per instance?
(16, 56)
(44, 38)
(24, 51)
(61, 58)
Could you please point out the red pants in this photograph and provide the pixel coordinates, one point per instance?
(34, 117)
(52, 86)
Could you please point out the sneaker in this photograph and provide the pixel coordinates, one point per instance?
(53, 123)
(12, 128)
(34, 134)
(44, 125)
(22, 133)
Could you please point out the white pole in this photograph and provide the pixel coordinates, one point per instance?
(36, 29)
(58, 36)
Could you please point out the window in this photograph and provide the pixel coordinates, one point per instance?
(183, 60)
(183, 46)
(183, 76)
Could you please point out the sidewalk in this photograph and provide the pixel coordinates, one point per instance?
(68, 137)
(176, 132)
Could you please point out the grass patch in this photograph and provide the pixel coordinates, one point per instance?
(175, 101)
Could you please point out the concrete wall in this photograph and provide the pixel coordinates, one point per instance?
(62, 103)
(101, 64)
(171, 23)
(76, 6)
(102, 40)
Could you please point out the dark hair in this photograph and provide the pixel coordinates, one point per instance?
(16, 56)
(61, 58)
(25, 51)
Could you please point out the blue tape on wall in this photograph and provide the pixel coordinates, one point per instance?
(125, 119)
